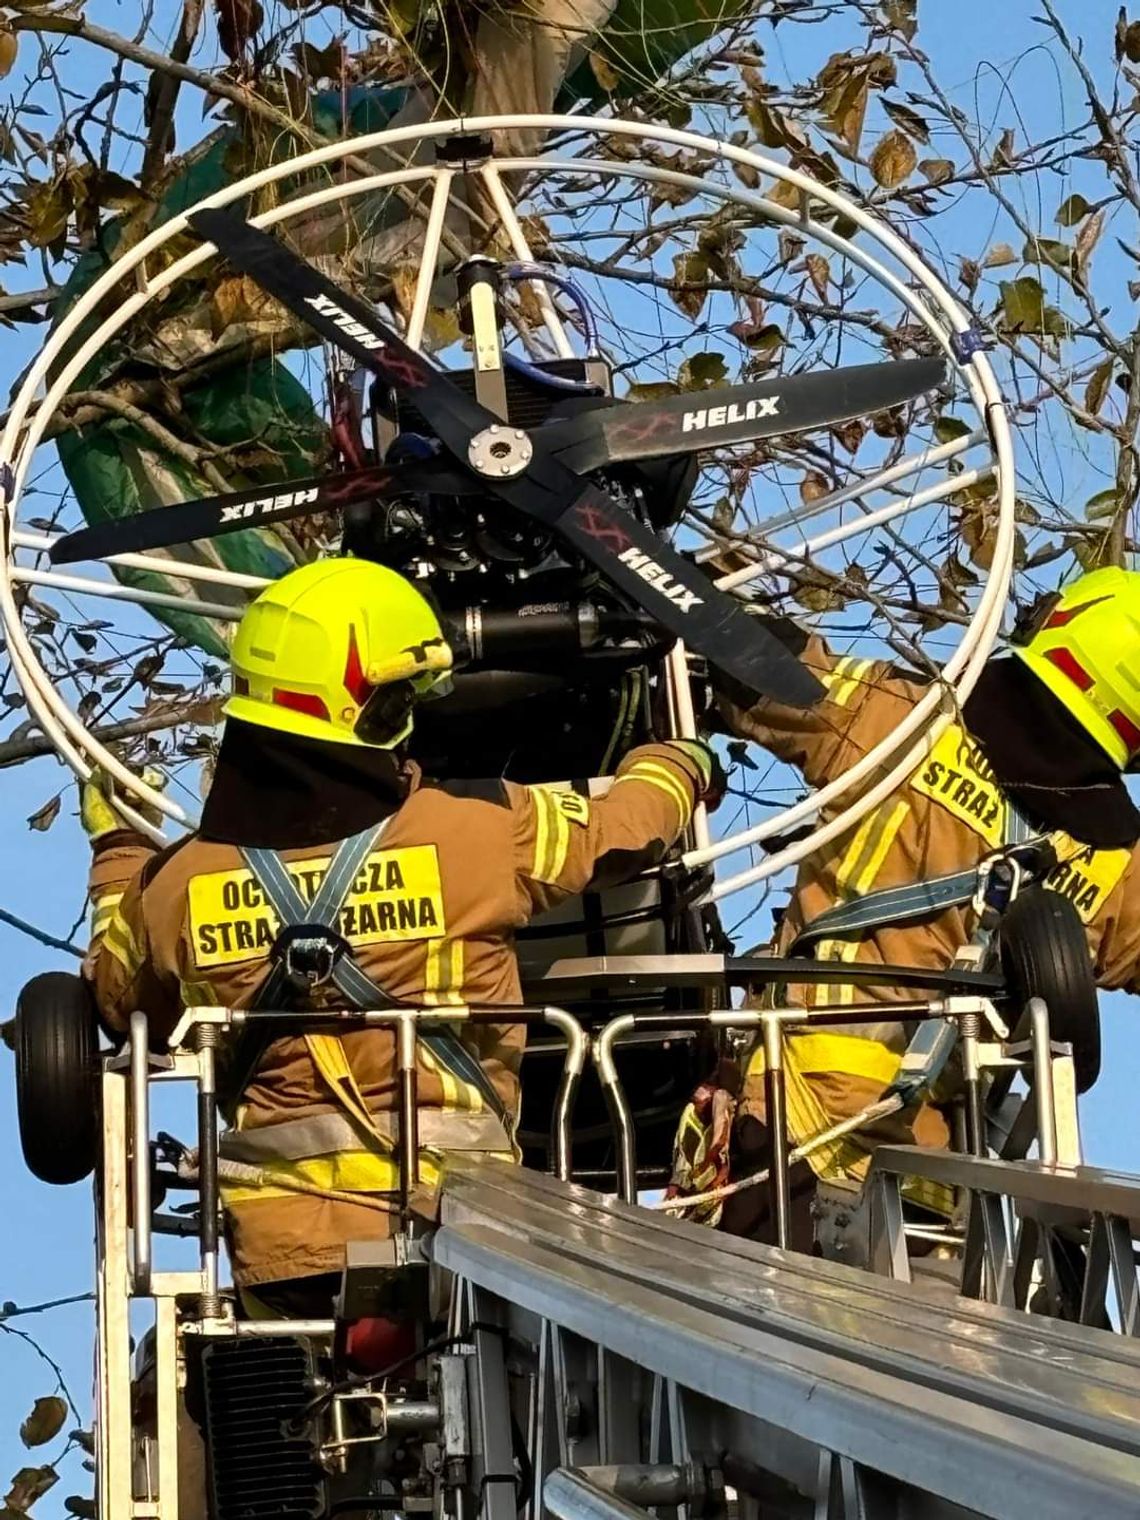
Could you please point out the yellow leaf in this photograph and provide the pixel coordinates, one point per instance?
(894, 160)
(1097, 388)
(819, 272)
(9, 47)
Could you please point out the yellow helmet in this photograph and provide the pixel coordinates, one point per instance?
(1087, 652)
(337, 650)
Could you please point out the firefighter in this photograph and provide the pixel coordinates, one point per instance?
(1039, 747)
(315, 812)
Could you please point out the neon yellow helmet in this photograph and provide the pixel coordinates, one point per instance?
(338, 650)
(1087, 652)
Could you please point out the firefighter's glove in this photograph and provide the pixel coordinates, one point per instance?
(713, 780)
(97, 797)
(701, 1160)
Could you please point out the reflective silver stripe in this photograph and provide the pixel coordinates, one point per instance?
(327, 1134)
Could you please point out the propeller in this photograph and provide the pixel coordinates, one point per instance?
(522, 470)
(700, 420)
(212, 516)
(537, 472)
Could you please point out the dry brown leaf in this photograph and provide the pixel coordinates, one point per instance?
(894, 160)
(937, 170)
(1088, 237)
(819, 272)
(45, 1421)
(813, 486)
(604, 72)
(9, 48)
(42, 819)
(1000, 255)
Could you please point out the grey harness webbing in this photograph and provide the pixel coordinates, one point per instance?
(295, 915)
(904, 904)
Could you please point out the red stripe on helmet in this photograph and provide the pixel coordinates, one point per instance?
(1127, 730)
(1065, 615)
(356, 684)
(302, 702)
(1068, 664)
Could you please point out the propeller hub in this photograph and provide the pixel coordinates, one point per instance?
(500, 452)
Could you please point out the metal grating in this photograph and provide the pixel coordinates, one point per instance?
(257, 1472)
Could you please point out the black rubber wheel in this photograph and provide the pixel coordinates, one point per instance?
(57, 1089)
(1044, 952)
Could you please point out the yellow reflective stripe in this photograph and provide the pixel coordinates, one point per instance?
(835, 950)
(102, 911)
(844, 680)
(847, 1054)
(453, 1090)
(342, 1174)
(665, 780)
(561, 847)
(861, 863)
(119, 941)
(546, 817)
(443, 972)
(864, 857)
(328, 1056)
(551, 837)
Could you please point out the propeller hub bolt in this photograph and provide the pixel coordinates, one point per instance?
(494, 451)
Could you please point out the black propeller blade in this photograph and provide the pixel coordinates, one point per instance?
(736, 414)
(669, 587)
(211, 516)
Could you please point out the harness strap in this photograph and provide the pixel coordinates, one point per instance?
(357, 987)
(904, 904)
(894, 905)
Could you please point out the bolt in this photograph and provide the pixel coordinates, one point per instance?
(504, 469)
(519, 433)
(494, 428)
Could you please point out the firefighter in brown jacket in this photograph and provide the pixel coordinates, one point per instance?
(312, 783)
(1038, 748)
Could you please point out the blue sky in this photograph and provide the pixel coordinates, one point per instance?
(48, 1231)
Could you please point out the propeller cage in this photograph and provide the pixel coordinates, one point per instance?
(806, 208)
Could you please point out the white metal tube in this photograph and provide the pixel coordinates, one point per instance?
(859, 525)
(112, 591)
(511, 226)
(216, 575)
(433, 234)
(681, 693)
(863, 487)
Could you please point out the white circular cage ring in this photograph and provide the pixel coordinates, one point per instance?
(590, 197)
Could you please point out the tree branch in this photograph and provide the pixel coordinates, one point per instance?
(41, 934)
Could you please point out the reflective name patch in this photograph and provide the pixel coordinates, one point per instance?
(1084, 875)
(396, 896)
(957, 777)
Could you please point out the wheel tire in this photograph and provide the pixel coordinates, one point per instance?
(1044, 953)
(57, 1090)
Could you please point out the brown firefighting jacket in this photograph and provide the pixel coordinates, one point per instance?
(431, 918)
(945, 819)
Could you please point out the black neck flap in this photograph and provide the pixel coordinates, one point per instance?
(1046, 763)
(280, 792)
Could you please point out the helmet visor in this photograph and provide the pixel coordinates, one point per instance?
(383, 719)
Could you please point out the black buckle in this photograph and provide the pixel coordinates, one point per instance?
(309, 953)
